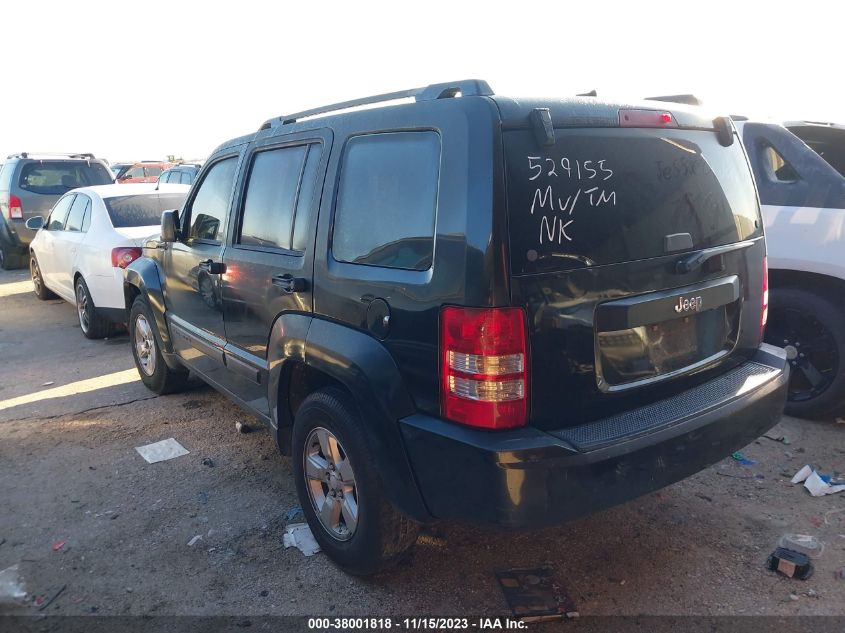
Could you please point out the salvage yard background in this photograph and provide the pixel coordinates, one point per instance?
(94, 528)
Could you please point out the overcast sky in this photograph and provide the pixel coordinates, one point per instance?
(141, 80)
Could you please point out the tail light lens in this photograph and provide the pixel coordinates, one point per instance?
(15, 208)
(764, 314)
(646, 118)
(122, 257)
(484, 368)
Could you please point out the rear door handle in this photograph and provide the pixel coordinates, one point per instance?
(212, 267)
(290, 284)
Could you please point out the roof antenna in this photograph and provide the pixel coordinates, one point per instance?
(592, 93)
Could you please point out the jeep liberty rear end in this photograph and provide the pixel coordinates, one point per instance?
(636, 255)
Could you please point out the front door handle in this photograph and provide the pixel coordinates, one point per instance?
(290, 284)
(212, 267)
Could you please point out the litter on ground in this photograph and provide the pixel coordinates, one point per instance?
(195, 540)
(535, 596)
(814, 483)
(790, 564)
(11, 586)
(742, 459)
(161, 451)
(299, 535)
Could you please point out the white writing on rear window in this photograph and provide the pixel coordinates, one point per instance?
(557, 223)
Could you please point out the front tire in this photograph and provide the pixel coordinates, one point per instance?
(340, 491)
(143, 337)
(41, 291)
(812, 330)
(93, 325)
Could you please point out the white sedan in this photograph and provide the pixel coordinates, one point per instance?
(90, 236)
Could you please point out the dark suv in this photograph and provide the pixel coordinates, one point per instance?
(506, 312)
(30, 184)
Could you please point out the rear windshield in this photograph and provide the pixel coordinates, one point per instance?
(604, 196)
(57, 177)
(141, 210)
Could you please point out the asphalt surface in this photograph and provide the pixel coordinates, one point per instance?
(82, 510)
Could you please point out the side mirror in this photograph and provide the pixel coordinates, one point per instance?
(169, 225)
(34, 223)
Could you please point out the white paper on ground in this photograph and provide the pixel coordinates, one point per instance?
(802, 474)
(299, 535)
(815, 484)
(161, 451)
(11, 586)
(818, 487)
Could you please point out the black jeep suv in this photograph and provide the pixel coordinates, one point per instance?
(507, 312)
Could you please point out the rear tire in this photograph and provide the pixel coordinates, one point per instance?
(143, 337)
(93, 325)
(41, 291)
(812, 330)
(8, 261)
(379, 536)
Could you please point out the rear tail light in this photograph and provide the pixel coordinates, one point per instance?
(122, 257)
(764, 314)
(484, 371)
(15, 208)
(646, 118)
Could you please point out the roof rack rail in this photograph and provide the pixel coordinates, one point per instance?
(464, 88)
(68, 154)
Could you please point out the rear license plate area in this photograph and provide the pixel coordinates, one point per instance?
(663, 338)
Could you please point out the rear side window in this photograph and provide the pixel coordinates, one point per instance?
(605, 196)
(141, 210)
(776, 166)
(76, 217)
(57, 177)
(58, 215)
(387, 200)
(268, 210)
(209, 207)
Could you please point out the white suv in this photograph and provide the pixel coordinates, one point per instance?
(800, 172)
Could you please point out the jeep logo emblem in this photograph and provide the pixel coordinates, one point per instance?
(688, 304)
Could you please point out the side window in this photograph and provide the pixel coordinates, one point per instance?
(56, 222)
(86, 218)
(207, 212)
(134, 172)
(777, 169)
(268, 209)
(304, 202)
(387, 200)
(186, 178)
(76, 216)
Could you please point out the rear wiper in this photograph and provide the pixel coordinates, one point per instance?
(697, 260)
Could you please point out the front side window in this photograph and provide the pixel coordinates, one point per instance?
(134, 172)
(268, 210)
(76, 216)
(208, 209)
(59, 214)
(387, 200)
(152, 172)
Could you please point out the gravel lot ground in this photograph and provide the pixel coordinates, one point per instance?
(69, 472)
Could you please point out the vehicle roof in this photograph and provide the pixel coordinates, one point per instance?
(574, 111)
(52, 157)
